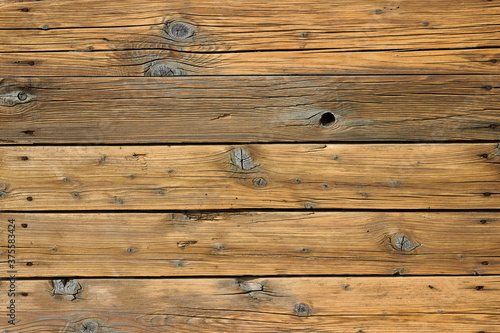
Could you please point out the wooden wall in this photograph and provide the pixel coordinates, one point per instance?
(249, 166)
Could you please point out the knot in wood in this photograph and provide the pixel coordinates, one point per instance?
(180, 30)
(403, 243)
(67, 287)
(261, 182)
(22, 96)
(302, 310)
(241, 159)
(161, 69)
(89, 326)
(12, 94)
(248, 284)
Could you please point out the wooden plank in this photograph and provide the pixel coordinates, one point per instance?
(149, 63)
(247, 37)
(249, 109)
(379, 176)
(246, 25)
(253, 243)
(409, 304)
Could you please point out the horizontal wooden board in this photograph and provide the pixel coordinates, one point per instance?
(379, 176)
(249, 109)
(424, 304)
(149, 63)
(253, 243)
(92, 38)
(246, 25)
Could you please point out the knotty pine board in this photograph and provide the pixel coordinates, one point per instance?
(249, 109)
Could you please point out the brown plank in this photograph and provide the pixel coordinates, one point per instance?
(149, 63)
(409, 304)
(380, 176)
(247, 37)
(245, 25)
(249, 109)
(251, 243)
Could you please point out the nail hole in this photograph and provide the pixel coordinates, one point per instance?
(479, 287)
(24, 225)
(485, 263)
(488, 87)
(493, 126)
(25, 158)
(24, 294)
(29, 264)
(327, 119)
(487, 194)
(29, 198)
(493, 61)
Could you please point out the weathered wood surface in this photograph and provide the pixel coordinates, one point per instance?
(251, 243)
(245, 25)
(380, 176)
(113, 38)
(249, 109)
(149, 63)
(423, 304)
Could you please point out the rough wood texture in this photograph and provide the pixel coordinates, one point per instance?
(119, 63)
(249, 109)
(381, 176)
(424, 304)
(300, 243)
(114, 38)
(225, 25)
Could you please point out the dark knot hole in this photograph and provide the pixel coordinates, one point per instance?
(327, 119)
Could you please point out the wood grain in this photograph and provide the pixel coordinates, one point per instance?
(92, 38)
(245, 25)
(254, 243)
(249, 109)
(380, 176)
(118, 63)
(423, 304)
